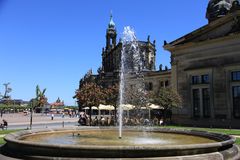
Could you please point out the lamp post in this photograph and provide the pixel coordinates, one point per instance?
(31, 112)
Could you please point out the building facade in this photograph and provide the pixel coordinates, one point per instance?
(111, 56)
(109, 72)
(206, 68)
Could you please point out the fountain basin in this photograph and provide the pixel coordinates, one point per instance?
(27, 144)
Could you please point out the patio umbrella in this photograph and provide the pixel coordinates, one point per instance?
(94, 108)
(106, 107)
(154, 106)
(127, 106)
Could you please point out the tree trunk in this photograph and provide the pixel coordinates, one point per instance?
(2, 112)
(115, 115)
(90, 116)
(31, 118)
(164, 116)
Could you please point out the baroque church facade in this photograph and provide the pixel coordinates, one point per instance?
(111, 56)
(205, 68)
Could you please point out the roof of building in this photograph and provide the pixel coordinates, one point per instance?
(213, 30)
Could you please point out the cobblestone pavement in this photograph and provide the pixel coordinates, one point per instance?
(22, 119)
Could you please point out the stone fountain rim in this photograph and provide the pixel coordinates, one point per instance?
(222, 139)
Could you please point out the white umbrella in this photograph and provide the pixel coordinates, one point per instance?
(143, 107)
(154, 106)
(106, 107)
(94, 108)
(127, 106)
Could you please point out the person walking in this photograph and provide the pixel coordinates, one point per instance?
(52, 116)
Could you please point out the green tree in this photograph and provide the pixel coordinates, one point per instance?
(6, 98)
(40, 97)
(167, 98)
(136, 96)
(32, 104)
(38, 102)
(111, 96)
(90, 94)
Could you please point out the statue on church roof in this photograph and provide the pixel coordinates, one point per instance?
(218, 8)
(235, 6)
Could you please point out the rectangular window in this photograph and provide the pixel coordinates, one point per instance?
(236, 76)
(195, 80)
(205, 79)
(196, 103)
(236, 101)
(131, 86)
(150, 86)
(146, 86)
(166, 83)
(161, 84)
(206, 102)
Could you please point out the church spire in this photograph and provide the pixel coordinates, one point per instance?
(111, 23)
(111, 34)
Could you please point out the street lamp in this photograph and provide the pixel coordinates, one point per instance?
(31, 112)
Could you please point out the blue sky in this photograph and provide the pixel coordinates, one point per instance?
(53, 43)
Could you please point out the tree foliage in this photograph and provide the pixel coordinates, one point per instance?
(6, 107)
(112, 95)
(6, 98)
(166, 98)
(90, 94)
(7, 91)
(136, 96)
(41, 99)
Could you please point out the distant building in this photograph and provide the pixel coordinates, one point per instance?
(14, 102)
(58, 103)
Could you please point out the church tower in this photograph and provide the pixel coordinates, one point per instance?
(108, 58)
(111, 53)
(111, 35)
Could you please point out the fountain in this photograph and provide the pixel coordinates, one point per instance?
(131, 64)
(103, 143)
(122, 142)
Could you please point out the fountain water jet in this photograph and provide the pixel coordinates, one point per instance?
(131, 63)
